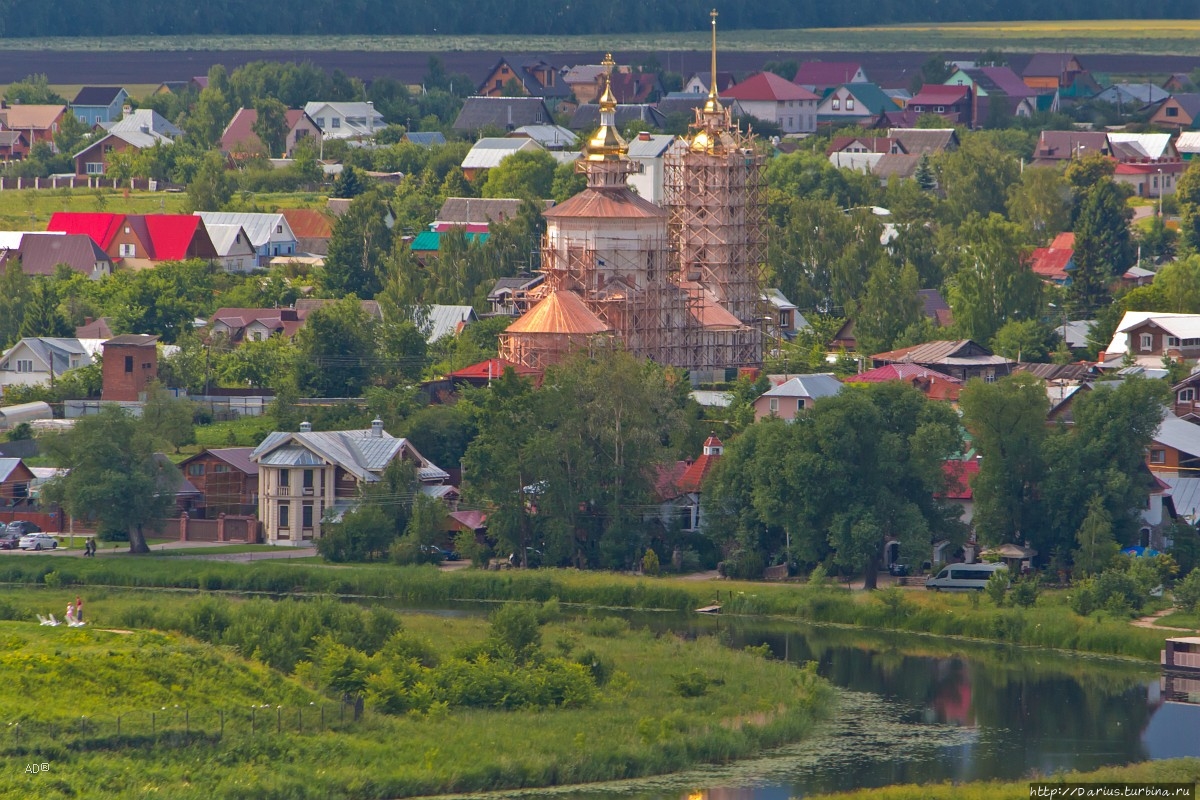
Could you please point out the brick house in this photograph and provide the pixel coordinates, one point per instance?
(130, 362)
(227, 479)
(15, 480)
(952, 103)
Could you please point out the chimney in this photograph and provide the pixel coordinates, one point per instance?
(126, 110)
(644, 136)
(377, 428)
(306, 427)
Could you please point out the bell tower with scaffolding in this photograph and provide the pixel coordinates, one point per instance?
(717, 218)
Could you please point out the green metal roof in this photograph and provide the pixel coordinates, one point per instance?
(431, 241)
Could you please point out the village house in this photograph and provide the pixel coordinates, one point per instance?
(955, 104)
(232, 244)
(308, 478)
(1057, 147)
(999, 93)
(1055, 263)
(679, 487)
(312, 228)
(648, 151)
(698, 82)
(820, 77)
(794, 393)
(1051, 71)
(270, 234)
(239, 139)
(344, 120)
(139, 241)
(1146, 337)
(931, 383)
(239, 325)
(501, 113)
(489, 151)
(962, 359)
(39, 360)
(532, 76)
(14, 146)
(136, 131)
(39, 123)
(770, 98)
(1174, 448)
(99, 105)
(1178, 112)
(42, 253)
(227, 480)
(862, 103)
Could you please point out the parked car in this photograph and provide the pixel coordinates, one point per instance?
(439, 553)
(898, 570)
(38, 541)
(8, 540)
(533, 558)
(22, 526)
(964, 577)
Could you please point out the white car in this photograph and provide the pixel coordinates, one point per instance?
(38, 541)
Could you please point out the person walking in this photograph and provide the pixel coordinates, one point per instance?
(78, 609)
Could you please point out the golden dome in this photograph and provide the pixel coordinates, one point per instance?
(606, 143)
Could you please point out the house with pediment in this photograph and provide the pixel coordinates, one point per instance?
(1146, 337)
(255, 324)
(308, 478)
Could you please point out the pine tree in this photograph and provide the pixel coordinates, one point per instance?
(1103, 249)
(924, 174)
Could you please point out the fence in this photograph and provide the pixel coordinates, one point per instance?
(88, 182)
(225, 528)
(181, 723)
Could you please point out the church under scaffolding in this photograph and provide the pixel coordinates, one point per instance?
(679, 285)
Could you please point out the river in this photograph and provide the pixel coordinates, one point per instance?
(917, 709)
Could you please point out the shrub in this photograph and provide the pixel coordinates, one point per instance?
(997, 587)
(691, 684)
(650, 564)
(1187, 592)
(1025, 591)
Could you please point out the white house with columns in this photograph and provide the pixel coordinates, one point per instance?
(307, 477)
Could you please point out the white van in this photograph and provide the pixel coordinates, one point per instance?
(961, 577)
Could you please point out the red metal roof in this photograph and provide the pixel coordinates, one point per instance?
(936, 385)
(693, 477)
(1064, 241)
(1050, 263)
(938, 94)
(959, 475)
(308, 223)
(767, 86)
(101, 227)
(170, 235)
(491, 369)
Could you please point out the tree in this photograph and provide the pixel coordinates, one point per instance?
(990, 283)
(925, 176)
(1095, 539)
(862, 467)
(210, 188)
(1007, 421)
(33, 90)
(889, 307)
(935, 70)
(1187, 194)
(258, 363)
(271, 126)
(1023, 340)
(975, 178)
(349, 183)
(1083, 174)
(1039, 202)
(360, 242)
(568, 182)
(15, 289)
(72, 131)
(336, 347)
(113, 477)
(1103, 249)
(525, 173)
(42, 317)
(168, 418)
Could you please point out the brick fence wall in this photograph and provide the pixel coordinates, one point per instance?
(225, 528)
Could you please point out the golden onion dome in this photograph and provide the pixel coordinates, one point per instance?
(606, 144)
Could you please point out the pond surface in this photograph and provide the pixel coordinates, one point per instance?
(918, 709)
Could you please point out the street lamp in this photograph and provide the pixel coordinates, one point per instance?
(1160, 191)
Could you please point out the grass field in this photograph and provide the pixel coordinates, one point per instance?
(1082, 36)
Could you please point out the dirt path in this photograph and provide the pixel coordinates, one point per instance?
(1149, 622)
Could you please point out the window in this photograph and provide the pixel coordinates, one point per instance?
(284, 478)
(279, 229)
(989, 378)
(1154, 181)
(306, 515)
(941, 109)
(195, 470)
(837, 104)
(1186, 396)
(308, 481)
(320, 122)
(219, 468)
(24, 365)
(284, 515)
(785, 319)
(1158, 456)
(94, 168)
(774, 405)
(1172, 111)
(128, 251)
(129, 363)
(336, 122)
(1172, 341)
(1147, 341)
(849, 103)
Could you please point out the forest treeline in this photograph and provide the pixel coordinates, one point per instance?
(542, 17)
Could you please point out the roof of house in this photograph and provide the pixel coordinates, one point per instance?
(650, 145)
(1185, 495)
(1189, 102)
(477, 210)
(901, 372)
(489, 151)
(172, 234)
(490, 369)
(224, 237)
(896, 165)
(259, 227)
(133, 340)
(97, 95)
(41, 253)
(425, 138)
(815, 385)
(431, 241)
(285, 321)
(768, 87)
(1047, 65)
(523, 69)
(998, 80)
(236, 457)
(31, 117)
(693, 477)
(308, 223)
(1178, 434)
(934, 94)
(360, 452)
(547, 135)
(724, 80)
(146, 120)
(605, 204)
(921, 141)
(583, 73)
(560, 312)
(506, 113)
(942, 352)
(934, 306)
(871, 98)
(1140, 145)
(1188, 142)
(959, 474)
(471, 520)
(587, 116)
(100, 328)
(825, 73)
(633, 87)
(1051, 263)
(102, 227)
(443, 320)
(240, 130)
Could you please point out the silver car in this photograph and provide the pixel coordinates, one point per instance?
(38, 541)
